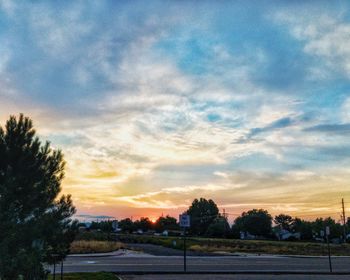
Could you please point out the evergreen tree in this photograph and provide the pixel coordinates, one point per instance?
(35, 224)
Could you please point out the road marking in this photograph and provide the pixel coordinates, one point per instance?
(180, 264)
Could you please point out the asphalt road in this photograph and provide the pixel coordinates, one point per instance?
(149, 263)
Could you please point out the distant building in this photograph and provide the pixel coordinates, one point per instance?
(283, 234)
(245, 235)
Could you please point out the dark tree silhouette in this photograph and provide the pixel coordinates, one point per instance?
(284, 221)
(202, 212)
(126, 225)
(257, 222)
(143, 224)
(105, 226)
(304, 227)
(35, 224)
(166, 223)
(336, 229)
(219, 228)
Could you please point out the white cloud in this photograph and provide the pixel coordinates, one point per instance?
(5, 55)
(169, 197)
(8, 6)
(345, 111)
(221, 174)
(325, 36)
(156, 114)
(57, 34)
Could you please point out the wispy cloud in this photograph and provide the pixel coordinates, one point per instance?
(88, 217)
(154, 105)
(324, 34)
(330, 128)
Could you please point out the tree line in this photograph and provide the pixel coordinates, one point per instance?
(144, 224)
(207, 221)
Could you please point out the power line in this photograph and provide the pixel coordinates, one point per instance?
(316, 214)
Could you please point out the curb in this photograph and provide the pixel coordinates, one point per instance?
(116, 253)
(243, 272)
(293, 256)
(97, 255)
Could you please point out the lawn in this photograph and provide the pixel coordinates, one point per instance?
(241, 246)
(94, 246)
(87, 276)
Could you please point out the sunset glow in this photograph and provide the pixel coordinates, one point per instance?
(155, 104)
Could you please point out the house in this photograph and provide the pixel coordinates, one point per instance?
(245, 235)
(284, 234)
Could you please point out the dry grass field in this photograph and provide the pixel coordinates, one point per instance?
(213, 245)
(94, 246)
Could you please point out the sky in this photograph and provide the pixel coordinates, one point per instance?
(155, 103)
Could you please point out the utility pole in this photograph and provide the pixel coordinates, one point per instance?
(224, 214)
(225, 219)
(343, 217)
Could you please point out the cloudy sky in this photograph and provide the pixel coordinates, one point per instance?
(155, 103)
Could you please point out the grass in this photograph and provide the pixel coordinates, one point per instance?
(87, 276)
(269, 247)
(94, 246)
(95, 235)
(213, 245)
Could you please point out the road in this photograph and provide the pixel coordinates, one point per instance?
(144, 262)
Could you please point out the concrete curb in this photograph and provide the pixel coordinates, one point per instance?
(120, 253)
(242, 272)
(97, 255)
(291, 256)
